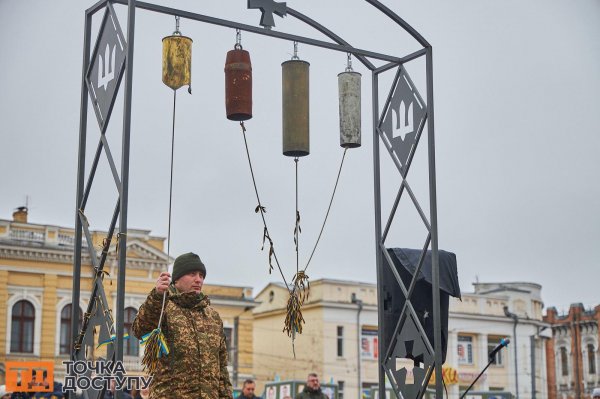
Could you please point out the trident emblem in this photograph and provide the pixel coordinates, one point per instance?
(404, 120)
(106, 67)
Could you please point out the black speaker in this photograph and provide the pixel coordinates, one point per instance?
(405, 261)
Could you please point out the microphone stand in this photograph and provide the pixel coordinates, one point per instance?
(492, 357)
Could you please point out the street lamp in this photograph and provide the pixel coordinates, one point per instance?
(359, 303)
(515, 318)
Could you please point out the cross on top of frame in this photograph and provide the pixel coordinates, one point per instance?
(268, 7)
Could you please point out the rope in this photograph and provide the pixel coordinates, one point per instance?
(299, 291)
(162, 309)
(328, 209)
(262, 210)
(297, 229)
(155, 341)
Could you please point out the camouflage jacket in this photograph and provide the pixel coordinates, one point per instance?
(196, 366)
(308, 394)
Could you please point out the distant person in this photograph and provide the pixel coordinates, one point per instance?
(145, 393)
(3, 393)
(248, 390)
(596, 393)
(312, 390)
(111, 393)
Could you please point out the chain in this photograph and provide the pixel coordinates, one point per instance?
(349, 63)
(177, 32)
(238, 40)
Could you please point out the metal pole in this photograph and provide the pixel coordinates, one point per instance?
(576, 348)
(516, 319)
(437, 324)
(532, 343)
(378, 259)
(358, 354)
(236, 324)
(80, 184)
(359, 304)
(122, 238)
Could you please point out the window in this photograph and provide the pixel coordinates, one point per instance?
(132, 348)
(340, 389)
(66, 340)
(229, 342)
(591, 359)
(340, 341)
(492, 343)
(564, 361)
(465, 349)
(23, 317)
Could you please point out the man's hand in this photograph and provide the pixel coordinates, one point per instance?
(162, 284)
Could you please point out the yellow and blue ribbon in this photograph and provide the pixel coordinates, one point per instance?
(162, 348)
(111, 340)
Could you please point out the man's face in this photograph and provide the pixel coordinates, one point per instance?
(313, 382)
(248, 390)
(190, 282)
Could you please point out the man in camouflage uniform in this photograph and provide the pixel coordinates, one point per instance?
(196, 366)
(312, 390)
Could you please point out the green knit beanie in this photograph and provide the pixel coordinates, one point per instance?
(187, 263)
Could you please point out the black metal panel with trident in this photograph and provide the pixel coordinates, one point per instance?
(106, 67)
(403, 119)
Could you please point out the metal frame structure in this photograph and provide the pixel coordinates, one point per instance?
(385, 131)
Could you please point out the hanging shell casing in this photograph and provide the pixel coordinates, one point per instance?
(350, 111)
(177, 61)
(238, 85)
(295, 102)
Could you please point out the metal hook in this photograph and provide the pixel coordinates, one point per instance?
(349, 63)
(295, 56)
(177, 32)
(238, 39)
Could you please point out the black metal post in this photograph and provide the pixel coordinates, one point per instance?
(75, 294)
(122, 238)
(378, 257)
(236, 351)
(435, 271)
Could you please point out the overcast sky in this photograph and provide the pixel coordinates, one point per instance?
(517, 117)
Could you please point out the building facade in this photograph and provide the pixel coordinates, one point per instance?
(329, 343)
(573, 352)
(337, 342)
(36, 273)
(476, 325)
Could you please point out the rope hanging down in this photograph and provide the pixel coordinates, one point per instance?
(155, 341)
(300, 285)
(260, 208)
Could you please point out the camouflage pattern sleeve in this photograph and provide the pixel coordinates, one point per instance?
(225, 387)
(147, 317)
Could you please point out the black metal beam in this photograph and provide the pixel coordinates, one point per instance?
(262, 31)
